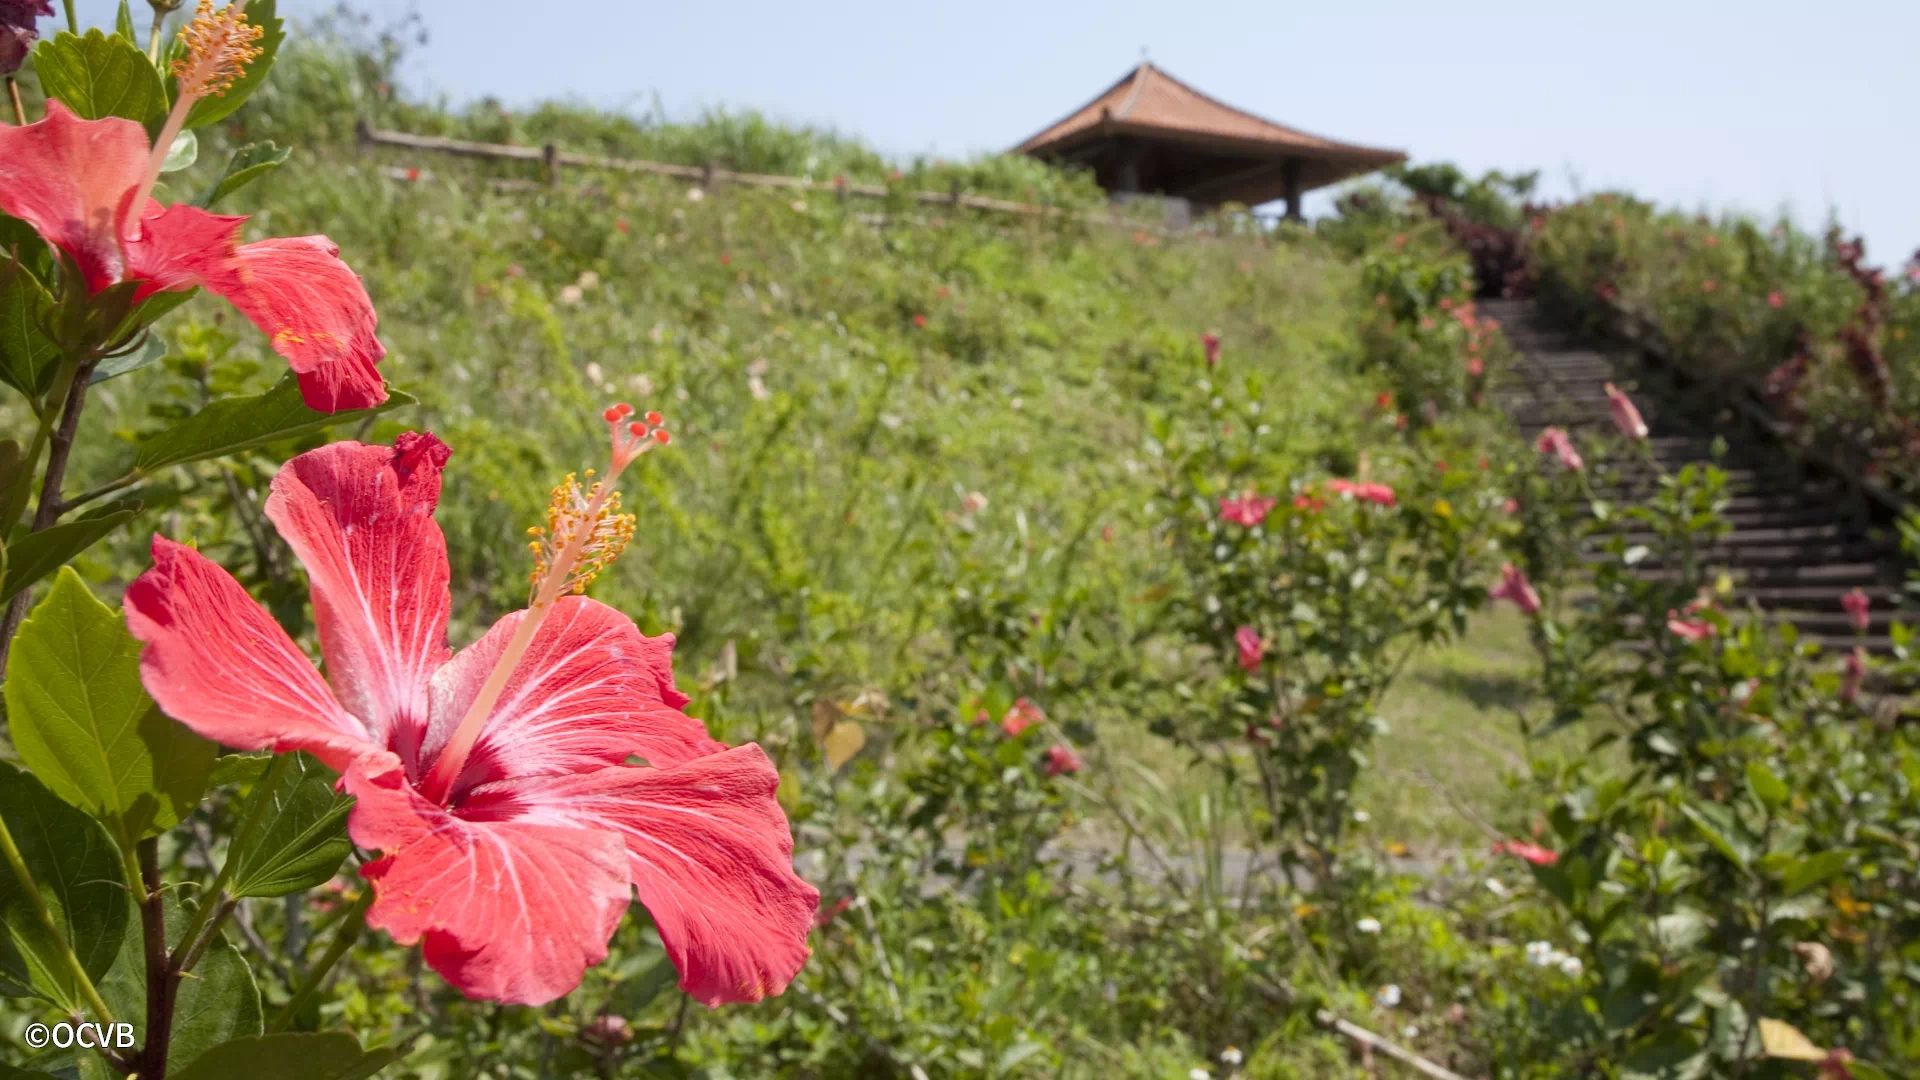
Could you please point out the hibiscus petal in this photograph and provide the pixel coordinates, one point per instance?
(218, 663)
(590, 691)
(509, 909)
(360, 518)
(72, 179)
(712, 858)
(312, 306)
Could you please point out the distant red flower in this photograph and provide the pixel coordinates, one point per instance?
(1834, 1065)
(1308, 503)
(413, 174)
(1856, 673)
(1476, 367)
(1485, 465)
(1384, 401)
(1625, 416)
(920, 320)
(726, 259)
(1690, 629)
(1379, 494)
(1858, 605)
(83, 185)
(1554, 441)
(1775, 300)
(831, 911)
(1440, 466)
(1248, 511)
(1511, 506)
(1709, 285)
(1062, 759)
(623, 226)
(1251, 648)
(1022, 716)
(1515, 587)
(941, 292)
(1533, 853)
(1210, 342)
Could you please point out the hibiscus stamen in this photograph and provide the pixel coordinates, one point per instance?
(219, 46)
(585, 532)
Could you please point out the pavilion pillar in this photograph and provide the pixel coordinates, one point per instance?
(1126, 172)
(1290, 181)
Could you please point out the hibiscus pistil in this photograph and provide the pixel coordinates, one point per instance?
(219, 46)
(585, 533)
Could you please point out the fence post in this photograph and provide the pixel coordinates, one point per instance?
(550, 157)
(363, 134)
(707, 174)
(953, 192)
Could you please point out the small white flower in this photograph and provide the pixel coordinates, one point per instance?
(571, 294)
(757, 388)
(1362, 816)
(589, 279)
(694, 194)
(1199, 1074)
(1230, 1056)
(973, 503)
(1540, 953)
(1387, 996)
(1496, 888)
(1368, 925)
(799, 206)
(595, 375)
(1411, 1031)
(640, 384)
(1571, 964)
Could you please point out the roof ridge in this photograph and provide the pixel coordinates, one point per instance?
(1141, 72)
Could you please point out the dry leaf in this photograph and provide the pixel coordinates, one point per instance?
(843, 742)
(1780, 1039)
(825, 714)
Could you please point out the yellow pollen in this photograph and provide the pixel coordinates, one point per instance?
(606, 535)
(220, 45)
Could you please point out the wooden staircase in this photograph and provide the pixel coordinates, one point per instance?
(1801, 537)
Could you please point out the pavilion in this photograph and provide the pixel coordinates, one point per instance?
(1150, 133)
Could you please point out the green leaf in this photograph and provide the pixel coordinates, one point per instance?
(1680, 930)
(182, 154)
(35, 555)
(1716, 824)
(249, 163)
(326, 1055)
(101, 75)
(233, 424)
(630, 996)
(8, 1072)
(150, 352)
(294, 831)
(239, 769)
(123, 23)
(216, 1002)
(28, 357)
(81, 720)
(1814, 870)
(77, 869)
(210, 109)
(1766, 786)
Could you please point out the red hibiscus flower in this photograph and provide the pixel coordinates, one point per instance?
(920, 320)
(1858, 605)
(1533, 853)
(1308, 503)
(1554, 441)
(84, 187)
(1515, 587)
(1062, 759)
(1248, 511)
(1775, 300)
(1511, 506)
(1211, 343)
(1251, 648)
(1625, 416)
(1023, 715)
(493, 780)
(1379, 494)
(1690, 629)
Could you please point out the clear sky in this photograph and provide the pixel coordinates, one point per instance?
(1748, 104)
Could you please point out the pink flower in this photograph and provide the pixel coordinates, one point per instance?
(1511, 506)
(1692, 630)
(920, 320)
(1856, 673)
(1475, 367)
(829, 912)
(1775, 300)
(1533, 853)
(83, 185)
(1380, 494)
(1515, 587)
(1211, 343)
(1308, 503)
(1554, 441)
(1248, 511)
(1835, 1065)
(1709, 285)
(1858, 603)
(1062, 759)
(493, 780)
(1022, 716)
(607, 1030)
(1625, 416)
(1251, 648)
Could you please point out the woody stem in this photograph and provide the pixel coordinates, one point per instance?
(13, 95)
(453, 758)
